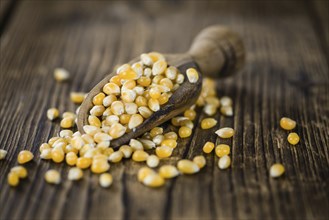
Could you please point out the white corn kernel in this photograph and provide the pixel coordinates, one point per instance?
(53, 177)
(152, 161)
(52, 113)
(75, 173)
(224, 162)
(3, 154)
(105, 180)
(225, 132)
(61, 74)
(135, 144)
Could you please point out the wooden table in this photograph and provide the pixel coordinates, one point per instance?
(286, 74)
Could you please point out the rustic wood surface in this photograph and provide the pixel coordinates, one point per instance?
(286, 74)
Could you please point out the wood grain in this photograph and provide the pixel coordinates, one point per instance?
(286, 74)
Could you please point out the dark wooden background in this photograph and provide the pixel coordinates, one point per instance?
(286, 74)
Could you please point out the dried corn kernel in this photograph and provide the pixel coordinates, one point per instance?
(210, 109)
(187, 167)
(152, 161)
(24, 156)
(83, 162)
(75, 173)
(105, 180)
(3, 154)
(140, 156)
(53, 177)
(100, 166)
(93, 120)
(200, 161)
(67, 122)
(156, 131)
(226, 110)
(163, 151)
(135, 144)
(158, 139)
(57, 155)
(224, 162)
(135, 121)
(116, 157)
(225, 132)
(184, 132)
(293, 138)
(111, 89)
(154, 104)
(208, 123)
(156, 56)
(91, 130)
(171, 135)
(108, 151)
(143, 172)
(46, 154)
(208, 147)
(20, 171)
(226, 101)
(126, 151)
(168, 171)
(171, 72)
(147, 144)
(222, 150)
(287, 123)
(101, 137)
(71, 158)
(107, 101)
(190, 114)
(163, 99)
(52, 113)
(192, 75)
(145, 111)
(69, 115)
(277, 170)
(159, 67)
(61, 74)
(141, 101)
(65, 133)
(117, 108)
(153, 180)
(180, 78)
(13, 179)
(131, 108)
(169, 143)
(77, 97)
(117, 130)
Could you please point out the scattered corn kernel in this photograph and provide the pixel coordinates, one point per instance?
(200, 161)
(293, 138)
(208, 123)
(184, 132)
(143, 172)
(140, 156)
(100, 165)
(225, 132)
(222, 150)
(153, 180)
(224, 162)
(57, 155)
(277, 170)
(116, 157)
(61, 75)
(67, 122)
(24, 156)
(75, 173)
(83, 162)
(46, 154)
(171, 135)
(187, 166)
(163, 151)
(71, 158)
(77, 97)
(20, 171)
(52, 113)
(287, 123)
(105, 180)
(53, 177)
(3, 154)
(190, 114)
(13, 179)
(152, 161)
(168, 171)
(208, 147)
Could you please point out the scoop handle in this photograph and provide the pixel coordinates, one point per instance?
(218, 51)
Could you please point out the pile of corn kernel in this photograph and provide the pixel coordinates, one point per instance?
(136, 92)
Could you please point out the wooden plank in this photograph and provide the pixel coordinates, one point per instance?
(286, 75)
(320, 16)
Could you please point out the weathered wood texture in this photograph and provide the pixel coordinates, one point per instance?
(286, 75)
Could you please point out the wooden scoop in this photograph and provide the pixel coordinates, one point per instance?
(215, 52)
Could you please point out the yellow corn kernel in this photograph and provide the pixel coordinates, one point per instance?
(277, 170)
(138, 68)
(287, 123)
(159, 67)
(112, 119)
(3, 154)
(69, 148)
(93, 120)
(129, 84)
(157, 79)
(116, 80)
(128, 95)
(143, 172)
(169, 143)
(98, 99)
(124, 119)
(92, 152)
(116, 157)
(155, 56)
(222, 150)
(163, 151)
(192, 75)
(52, 140)
(210, 109)
(77, 142)
(190, 114)
(225, 132)
(100, 166)
(163, 99)
(46, 154)
(57, 155)
(171, 72)
(166, 83)
(293, 138)
(111, 89)
(117, 108)
(140, 156)
(180, 78)
(83, 162)
(65, 133)
(144, 81)
(141, 101)
(154, 93)
(71, 158)
(208, 123)
(24, 156)
(135, 144)
(171, 135)
(75, 173)
(226, 110)
(208, 147)
(156, 131)
(13, 179)
(128, 74)
(61, 74)
(147, 144)
(101, 137)
(131, 108)
(67, 122)
(200, 161)
(152, 161)
(224, 162)
(126, 151)
(135, 121)
(153, 180)
(20, 171)
(226, 101)
(176, 121)
(212, 100)
(168, 171)
(145, 111)
(108, 100)
(91, 130)
(108, 151)
(97, 110)
(85, 148)
(117, 130)
(52, 113)
(77, 97)
(187, 166)
(184, 132)
(154, 104)
(105, 180)
(69, 115)
(53, 177)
